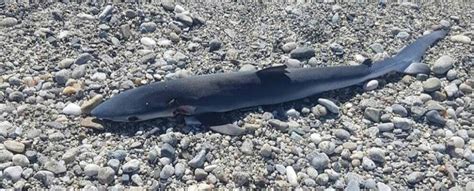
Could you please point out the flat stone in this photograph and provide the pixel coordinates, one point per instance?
(320, 161)
(167, 172)
(131, 166)
(288, 47)
(198, 160)
(228, 129)
(106, 175)
(431, 85)
(83, 58)
(461, 38)
(72, 109)
(372, 114)
(14, 146)
(55, 167)
(415, 177)
(433, 116)
(302, 53)
(443, 64)
(12, 173)
(8, 22)
(331, 106)
(291, 176)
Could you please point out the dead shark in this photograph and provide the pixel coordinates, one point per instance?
(231, 91)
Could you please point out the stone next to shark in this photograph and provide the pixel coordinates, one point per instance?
(230, 91)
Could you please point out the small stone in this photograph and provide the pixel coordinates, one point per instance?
(288, 47)
(106, 175)
(66, 63)
(167, 172)
(337, 49)
(466, 89)
(114, 164)
(167, 151)
(342, 134)
(277, 124)
(415, 177)
(20, 160)
(198, 160)
(93, 123)
(179, 169)
(228, 129)
(372, 114)
(322, 179)
(72, 109)
(137, 179)
(200, 174)
(327, 147)
(320, 161)
(376, 154)
(55, 167)
(149, 42)
(377, 47)
(371, 85)
(214, 44)
(456, 142)
(148, 27)
(45, 177)
(8, 22)
(452, 74)
(91, 170)
(368, 164)
(106, 12)
(131, 166)
(62, 76)
(383, 187)
(400, 110)
(14, 146)
(403, 35)
(402, 123)
(83, 58)
(385, 127)
(247, 147)
(90, 104)
(266, 150)
(431, 85)
(291, 175)
(293, 63)
(302, 53)
(12, 173)
(451, 90)
(99, 76)
(461, 39)
(433, 116)
(185, 19)
(331, 106)
(443, 64)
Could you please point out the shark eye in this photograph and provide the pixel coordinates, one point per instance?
(132, 118)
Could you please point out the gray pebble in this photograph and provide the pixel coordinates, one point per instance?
(302, 53)
(185, 19)
(415, 177)
(200, 174)
(319, 110)
(106, 12)
(20, 160)
(331, 106)
(371, 85)
(16, 96)
(131, 166)
(342, 134)
(385, 127)
(288, 47)
(214, 44)
(14, 146)
(79, 72)
(403, 35)
(167, 172)
(368, 164)
(91, 170)
(137, 179)
(400, 110)
(45, 177)
(376, 154)
(431, 85)
(383, 187)
(293, 63)
(198, 160)
(62, 76)
(402, 123)
(8, 22)
(433, 116)
(456, 142)
(247, 147)
(327, 147)
(320, 161)
(373, 114)
(106, 175)
(322, 179)
(443, 64)
(266, 150)
(377, 47)
(167, 151)
(451, 90)
(337, 49)
(66, 63)
(452, 74)
(83, 58)
(179, 169)
(13, 173)
(5, 156)
(55, 167)
(277, 124)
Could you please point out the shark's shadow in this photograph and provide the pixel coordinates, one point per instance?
(160, 126)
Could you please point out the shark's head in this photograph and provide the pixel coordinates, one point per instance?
(138, 104)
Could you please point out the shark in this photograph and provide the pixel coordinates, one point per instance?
(223, 92)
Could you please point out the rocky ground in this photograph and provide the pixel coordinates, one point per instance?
(397, 132)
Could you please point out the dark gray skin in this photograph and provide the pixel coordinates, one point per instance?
(230, 91)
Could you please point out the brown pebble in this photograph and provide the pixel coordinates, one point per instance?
(93, 123)
(88, 105)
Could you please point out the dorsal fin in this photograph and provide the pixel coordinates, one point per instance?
(273, 74)
(273, 69)
(367, 62)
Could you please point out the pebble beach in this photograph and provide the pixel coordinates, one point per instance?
(58, 61)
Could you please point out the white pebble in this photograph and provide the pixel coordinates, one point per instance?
(371, 85)
(72, 109)
(148, 42)
(291, 175)
(461, 39)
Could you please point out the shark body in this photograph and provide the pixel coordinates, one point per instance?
(230, 91)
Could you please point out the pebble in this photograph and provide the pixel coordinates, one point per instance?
(45, 177)
(247, 147)
(91, 170)
(106, 12)
(179, 169)
(93, 123)
(342, 134)
(13, 173)
(293, 63)
(14, 146)
(291, 175)
(228, 129)
(62, 76)
(185, 19)
(327, 147)
(320, 161)
(8, 22)
(214, 44)
(148, 27)
(400, 110)
(385, 127)
(266, 150)
(368, 164)
(433, 116)
(373, 114)
(431, 85)
(415, 177)
(465, 88)
(20, 160)
(377, 47)
(371, 85)
(198, 160)
(302, 53)
(149, 42)
(403, 35)
(452, 74)
(443, 64)
(83, 58)
(131, 166)
(55, 167)
(106, 175)
(331, 106)
(451, 90)
(461, 38)
(337, 49)
(66, 63)
(137, 179)
(72, 109)
(383, 187)
(456, 142)
(99, 76)
(277, 124)
(377, 155)
(90, 104)
(167, 172)
(288, 47)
